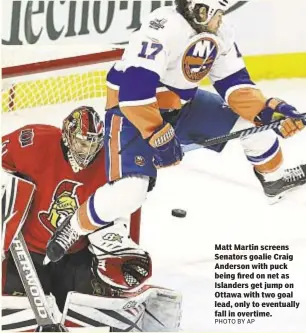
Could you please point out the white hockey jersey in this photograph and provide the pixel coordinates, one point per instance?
(164, 63)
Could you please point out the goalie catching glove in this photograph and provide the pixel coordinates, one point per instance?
(166, 146)
(277, 109)
(118, 261)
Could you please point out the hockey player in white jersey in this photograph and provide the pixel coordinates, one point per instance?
(153, 102)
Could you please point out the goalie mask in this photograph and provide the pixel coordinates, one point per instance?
(83, 133)
(199, 12)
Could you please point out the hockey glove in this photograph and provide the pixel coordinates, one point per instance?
(124, 271)
(119, 263)
(277, 109)
(166, 146)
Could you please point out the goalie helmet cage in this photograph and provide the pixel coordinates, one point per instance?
(66, 81)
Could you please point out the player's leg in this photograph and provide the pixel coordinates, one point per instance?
(18, 316)
(207, 116)
(17, 313)
(264, 152)
(129, 167)
(72, 269)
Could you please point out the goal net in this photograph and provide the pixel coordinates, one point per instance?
(45, 92)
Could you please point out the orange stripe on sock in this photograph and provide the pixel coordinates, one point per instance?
(114, 148)
(271, 165)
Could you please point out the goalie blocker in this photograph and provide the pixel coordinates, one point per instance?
(14, 207)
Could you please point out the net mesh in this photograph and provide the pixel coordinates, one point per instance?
(57, 89)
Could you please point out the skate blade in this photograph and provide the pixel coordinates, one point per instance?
(276, 199)
(46, 260)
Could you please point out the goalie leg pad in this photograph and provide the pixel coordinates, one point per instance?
(150, 309)
(123, 314)
(163, 311)
(17, 314)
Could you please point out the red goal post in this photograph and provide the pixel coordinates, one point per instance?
(55, 83)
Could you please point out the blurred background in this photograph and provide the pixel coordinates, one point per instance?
(271, 34)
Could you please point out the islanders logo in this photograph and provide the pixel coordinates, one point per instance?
(199, 58)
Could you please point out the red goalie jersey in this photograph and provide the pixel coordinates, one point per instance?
(37, 153)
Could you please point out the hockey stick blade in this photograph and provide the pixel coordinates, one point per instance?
(239, 134)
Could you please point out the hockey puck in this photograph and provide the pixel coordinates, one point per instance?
(178, 212)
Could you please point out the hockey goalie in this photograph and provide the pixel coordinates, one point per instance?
(47, 174)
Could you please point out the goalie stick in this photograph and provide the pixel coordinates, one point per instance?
(30, 281)
(14, 212)
(201, 142)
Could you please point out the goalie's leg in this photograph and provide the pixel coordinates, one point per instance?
(151, 309)
(17, 314)
(11, 282)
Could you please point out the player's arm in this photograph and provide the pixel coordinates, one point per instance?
(16, 189)
(8, 162)
(145, 61)
(233, 82)
(20, 150)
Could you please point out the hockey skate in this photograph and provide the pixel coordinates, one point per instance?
(61, 241)
(51, 328)
(292, 178)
